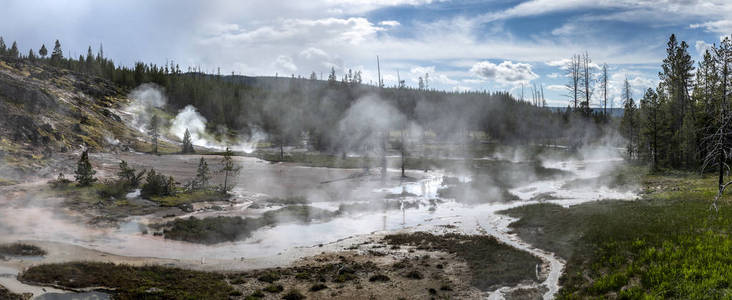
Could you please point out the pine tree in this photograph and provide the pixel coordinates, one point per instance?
(156, 184)
(170, 186)
(676, 75)
(203, 175)
(14, 53)
(84, 171)
(629, 122)
(229, 170)
(3, 47)
(31, 55)
(153, 131)
(57, 53)
(651, 124)
(332, 76)
(43, 51)
(127, 175)
(688, 142)
(187, 144)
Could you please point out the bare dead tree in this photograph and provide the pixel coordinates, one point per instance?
(718, 153)
(719, 142)
(543, 100)
(603, 86)
(587, 81)
(574, 75)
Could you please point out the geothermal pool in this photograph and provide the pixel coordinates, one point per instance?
(24, 217)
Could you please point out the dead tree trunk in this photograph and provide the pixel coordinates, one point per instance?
(404, 153)
(719, 152)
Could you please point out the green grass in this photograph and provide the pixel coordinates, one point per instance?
(190, 197)
(128, 282)
(666, 245)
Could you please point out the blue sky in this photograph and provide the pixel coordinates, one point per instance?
(463, 45)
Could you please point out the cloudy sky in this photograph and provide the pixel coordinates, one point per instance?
(463, 45)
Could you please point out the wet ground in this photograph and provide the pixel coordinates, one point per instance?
(26, 217)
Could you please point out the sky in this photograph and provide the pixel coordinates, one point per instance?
(500, 45)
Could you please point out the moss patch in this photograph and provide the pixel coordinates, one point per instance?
(219, 229)
(192, 197)
(148, 282)
(492, 264)
(20, 249)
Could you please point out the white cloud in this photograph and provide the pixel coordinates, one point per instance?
(562, 63)
(556, 87)
(460, 88)
(434, 76)
(626, 10)
(721, 26)
(389, 23)
(284, 62)
(506, 72)
(702, 47)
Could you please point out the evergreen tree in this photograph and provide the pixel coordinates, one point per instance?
(14, 53)
(90, 62)
(170, 187)
(43, 51)
(3, 47)
(332, 76)
(154, 132)
(31, 55)
(688, 142)
(127, 175)
(203, 175)
(156, 184)
(84, 171)
(676, 77)
(629, 122)
(187, 144)
(57, 53)
(650, 111)
(229, 170)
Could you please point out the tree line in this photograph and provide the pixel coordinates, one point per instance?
(673, 124)
(289, 108)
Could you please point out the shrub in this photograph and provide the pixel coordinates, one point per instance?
(293, 295)
(318, 287)
(113, 189)
(379, 277)
(158, 185)
(274, 288)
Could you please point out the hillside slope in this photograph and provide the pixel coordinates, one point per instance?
(47, 113)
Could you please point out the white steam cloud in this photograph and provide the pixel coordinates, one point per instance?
(144, 98)
(189, 118)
